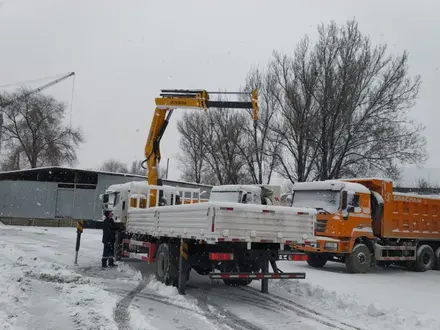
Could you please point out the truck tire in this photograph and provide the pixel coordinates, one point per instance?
(437, 259)
(316, 260)
(425, 258)
(166, 268)
(359, 261)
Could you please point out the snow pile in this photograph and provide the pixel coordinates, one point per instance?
(14, 293)
(169, 292)
(130, 275)
(28, 281)
(174, 298)
(346, 306)
(162, 289)
(90, 306)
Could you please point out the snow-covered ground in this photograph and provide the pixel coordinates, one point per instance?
(42, 289)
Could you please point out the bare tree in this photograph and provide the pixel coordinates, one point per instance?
(210, 151)
(223, 154)
(192, 129)
(343, 108)
(136, 168)
(424, 184)
(114, 166)
(260, 144)
(33, 132)
(293, 89)
(363, 96)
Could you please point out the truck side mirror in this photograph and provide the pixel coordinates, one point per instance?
(344, 200)
(105, 198)
(244, 198)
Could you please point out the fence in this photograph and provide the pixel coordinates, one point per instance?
(39, 222)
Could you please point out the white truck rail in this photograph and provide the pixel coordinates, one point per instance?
(227, 222)
(142, 192)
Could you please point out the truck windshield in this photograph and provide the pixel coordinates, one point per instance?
(112, 198)
(326, 200)
(225, 196)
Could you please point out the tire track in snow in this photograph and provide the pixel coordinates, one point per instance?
(221, 316)
(121, 314)
(156, 298)
(300, 309)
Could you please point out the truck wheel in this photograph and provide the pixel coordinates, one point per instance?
(166, 269)
(425, 258)
(359, 261)
(316, 260)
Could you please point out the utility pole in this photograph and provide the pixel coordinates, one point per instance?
(168, 166)
(1, 131)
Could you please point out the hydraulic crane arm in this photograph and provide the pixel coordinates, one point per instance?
(185, 99)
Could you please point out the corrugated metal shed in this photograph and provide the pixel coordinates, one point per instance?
(62, 193)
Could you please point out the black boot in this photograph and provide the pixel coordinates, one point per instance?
(111, 263)
(104, 263)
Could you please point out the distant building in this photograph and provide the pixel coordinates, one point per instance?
(66, 194)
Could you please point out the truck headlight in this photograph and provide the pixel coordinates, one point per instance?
(331, 246)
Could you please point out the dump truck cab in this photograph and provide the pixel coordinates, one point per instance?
(344, 212)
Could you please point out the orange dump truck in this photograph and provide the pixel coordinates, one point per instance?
(363, 223)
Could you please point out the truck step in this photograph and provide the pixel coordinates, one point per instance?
(258, 276)
(140, 256)
(147, 256)
(292, 256)
(394, 253)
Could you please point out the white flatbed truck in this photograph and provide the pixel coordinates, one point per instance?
(223, 237)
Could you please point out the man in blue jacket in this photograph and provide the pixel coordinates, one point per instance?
(108, 239)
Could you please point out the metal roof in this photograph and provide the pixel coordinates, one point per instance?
(8, 174)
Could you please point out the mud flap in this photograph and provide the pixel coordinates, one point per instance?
(184, 266)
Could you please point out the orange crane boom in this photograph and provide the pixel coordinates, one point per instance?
(185, 99)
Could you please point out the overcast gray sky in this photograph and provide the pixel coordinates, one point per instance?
(124, 52)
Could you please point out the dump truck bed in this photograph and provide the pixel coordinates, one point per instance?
(220, 221)
(411, 216)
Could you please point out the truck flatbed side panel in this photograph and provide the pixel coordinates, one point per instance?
(227, 221)
(411, 217)
(140, 221)
(266, 225)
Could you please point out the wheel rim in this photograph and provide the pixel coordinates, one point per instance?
(426, 259)
(362, 258)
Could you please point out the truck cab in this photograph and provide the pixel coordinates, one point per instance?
(119, 197)
(344, 213)
(246, 194)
